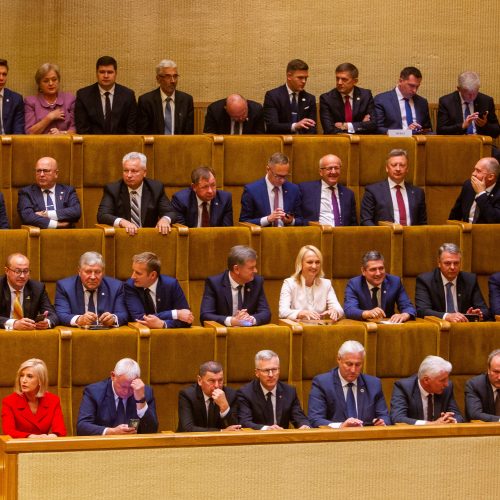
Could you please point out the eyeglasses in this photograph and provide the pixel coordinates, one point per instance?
(279, 177)
(169, 77)
(44, 171)
(269, 371)
(19, 272)
(330, 169)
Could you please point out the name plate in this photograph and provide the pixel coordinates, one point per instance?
(399, 132)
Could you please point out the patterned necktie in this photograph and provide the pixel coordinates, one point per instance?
(347, 110)
(294, 108)
(409, 114)
(107, 113)
(350, 402)
(401, 206)
(17, 312)
(205, 216)
(49, 205)
(269, 409)
(135, 213)
(430, 408)
(470, 128)
(450, 305)
(168, 117)
(148, 302)
(374, 296)
(337, 219)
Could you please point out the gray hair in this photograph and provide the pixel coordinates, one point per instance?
(371, 255)
(201, 172)
(209, 366)
(397, 152)
(278, 159)
(91, 259)
(44, 69)
(469, 80)
(492, 165)
(165, 63)
(432, 366)
(239, 254)
(351, 347)
(127, 367)
(492, 355)
(265, 355)
(449, 248)
(134, 155)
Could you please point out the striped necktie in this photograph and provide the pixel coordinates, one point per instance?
(135, 213)
(17, 312)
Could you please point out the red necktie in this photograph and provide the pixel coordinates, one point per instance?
(401, 206)
(276, 201)
(347, 110)
(205, 217)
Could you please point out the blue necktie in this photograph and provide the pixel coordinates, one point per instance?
(49, 204)
(470, 128)
(450, 307)
(294, 107)
(168, 117)
(350, 402)
(409, 114)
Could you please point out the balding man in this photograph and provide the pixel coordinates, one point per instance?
(234, 115)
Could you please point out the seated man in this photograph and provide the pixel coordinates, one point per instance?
(447, 292)
(114, 405)
(494, 294)
(345, 397)
(363, 300)
(46, 204)
(236, 297)
(154, 299)
(24, 303)
(90, 298)
(326, 200)
(272, 200)
(202, 204)
(427, 397)
(394, 199)
(12, 117)
(266, 403)
(208, 405)
(234, 115)
(482, 393)
(136, 201)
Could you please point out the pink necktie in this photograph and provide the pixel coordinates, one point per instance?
(401, 206)
(347, 110)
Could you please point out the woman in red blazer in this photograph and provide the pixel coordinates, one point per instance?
(31, 411)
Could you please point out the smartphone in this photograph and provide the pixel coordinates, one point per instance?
(368, 424)
(134, 422)
(40, 317)
(472, 317)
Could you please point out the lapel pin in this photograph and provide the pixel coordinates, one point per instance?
(361, 390)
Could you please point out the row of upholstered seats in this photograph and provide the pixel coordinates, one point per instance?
(440, 164)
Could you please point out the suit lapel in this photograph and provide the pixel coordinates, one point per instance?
(38, 196)
(339, 392)
(28, 301)
(461, 286)
(355, 102)
(98, 103)
(145, 201)
(396, 108)
(279, 403)
(226, 285)
(110, 402)
(214, 210)
(361, 397)
(417, 397)
(80, 299)
(192, 210)
(365, 292)
(439, 289)
(388, 197)
(201, 406)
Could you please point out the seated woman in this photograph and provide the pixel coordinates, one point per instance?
(306, 294)
(51, 111)
(31, 411)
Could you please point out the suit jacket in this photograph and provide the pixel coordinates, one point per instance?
(151, 119)
(30, 200)
(331, 111)
(18, 421)
(98, 410)
(193, 410)
(327, 401)
(115, 203)
(450, 115)
(70, 299)
(89, 115)
(255, 202)
(430, 298)
(388, 112)
(252, 406)
(480, 400)
(217, 301)
(357, 297)
(310, 193)
(169, 296)
(494, 293)
(12, 112)
(184, 202)
(35, 301)
(4, 221)
(406, 402)
(377, 204)
(278, 114)
(217, 121)
(488, 204)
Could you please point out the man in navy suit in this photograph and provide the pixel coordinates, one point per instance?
(289, 108)
(427, 397)
(375, 294)
(105, 107)
(90, 298)
(272, 200)
(11, 105)
(494, 294)
(107, 407)
(325, 200)
(165, 110)
(266, 403)
(203, 205)
(236, 297)
(482, 393)
(154, 299)
(479, 199)
(402, 108)
(347, 108)
(234, 115)
(394, 199)
(46, 204)
(345, 397)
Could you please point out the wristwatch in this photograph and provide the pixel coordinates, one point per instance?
(143, 400)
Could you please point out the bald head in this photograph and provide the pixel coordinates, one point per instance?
(329, 169)
(46, 171)
(486, 170)
(237, 107)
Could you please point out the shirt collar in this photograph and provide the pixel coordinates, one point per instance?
(102, 91)
(199, 201)
(164, 96)
(423, 392)
(393, 184)
(270, 186)
(325, 185)
(290, 91)
(446, 281)
(138, 190)
(12, 290)
(265, 391)
(234, 284)
(344, 382)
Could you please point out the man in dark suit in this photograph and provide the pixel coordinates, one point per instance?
(105, 107)
(375, 294)
(136, 201)
(24, 303)
(272, 200)
(402, 108)
(289, 108)
(46, 204)
(427, 397)
(395, 199)
(154, 299)
(482, 393)
(345, 397)
(90, 298)
(347, 108)
(326, 200)
(114, 405)
(234, 115)
(202, 204)
(11, 105)
(208, 405)
(479, 199)
(266, 403)
(494, 294)
(236, 297)
(165, 110)
(447, 292)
